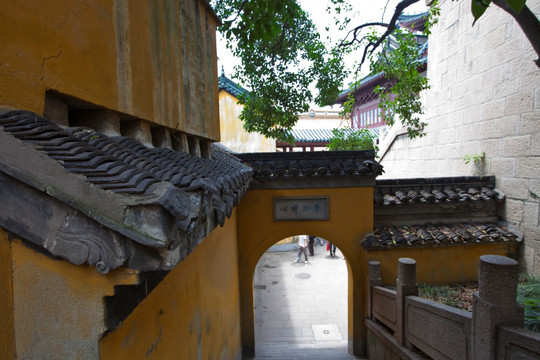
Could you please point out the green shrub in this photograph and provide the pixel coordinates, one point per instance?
(460, 296)
(352, 139)
(528, 295)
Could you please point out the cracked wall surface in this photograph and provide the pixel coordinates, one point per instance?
(152, 60)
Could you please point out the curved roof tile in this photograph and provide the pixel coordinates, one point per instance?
(391, 236)
(125, 166)
(224, 83)
(319, 135)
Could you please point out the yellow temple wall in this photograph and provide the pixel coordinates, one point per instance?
(7, 345)
(453, 264)
(152, 60)
(51, 307)
(233, 134)
(194, 313)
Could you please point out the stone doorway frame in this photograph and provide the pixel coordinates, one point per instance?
(351, 217)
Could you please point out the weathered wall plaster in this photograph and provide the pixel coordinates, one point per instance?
(155, 60)
(450, 264)
(58, 308)
(193, 313)
(7, 334)
(233, 134)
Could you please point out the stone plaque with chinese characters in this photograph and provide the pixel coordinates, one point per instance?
(301, 208)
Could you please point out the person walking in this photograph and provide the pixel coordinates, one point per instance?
(332, 249)
(303, 242)
(310, 245)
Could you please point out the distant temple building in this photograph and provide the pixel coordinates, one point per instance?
(366, 112)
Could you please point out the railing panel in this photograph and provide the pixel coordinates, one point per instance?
(440, 331)
(517, 343)
(384, 306)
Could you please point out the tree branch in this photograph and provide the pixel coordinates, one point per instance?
(390, 27)
(355, 33)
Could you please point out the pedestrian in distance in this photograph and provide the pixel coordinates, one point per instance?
(332, 249)
(310, 245)
(303, 242)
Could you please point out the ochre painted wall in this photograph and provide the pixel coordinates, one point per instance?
(58, 307)
(351, 217)
(7, 335)
(192, 314)
(155, 60)
(453, 264)
(233, 134)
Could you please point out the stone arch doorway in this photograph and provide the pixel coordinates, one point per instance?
(304, 305)
(350, 217)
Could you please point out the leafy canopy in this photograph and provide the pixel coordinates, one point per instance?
(479, 7)
(352, 139)
(400, 65)
(281, 55)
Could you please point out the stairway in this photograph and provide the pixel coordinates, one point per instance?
(292, 351)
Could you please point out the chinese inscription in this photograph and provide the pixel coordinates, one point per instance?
(301, 208)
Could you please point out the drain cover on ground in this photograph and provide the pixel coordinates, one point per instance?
(302, 276)
(326, 332)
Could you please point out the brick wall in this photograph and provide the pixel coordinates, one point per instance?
(484, 96)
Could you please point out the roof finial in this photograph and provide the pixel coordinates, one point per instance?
(222, 71)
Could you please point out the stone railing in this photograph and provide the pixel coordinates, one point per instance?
(401, 323)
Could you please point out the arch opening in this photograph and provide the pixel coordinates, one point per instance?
(350, 219)
(301, 306)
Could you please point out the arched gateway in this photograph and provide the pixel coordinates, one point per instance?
(325, 193)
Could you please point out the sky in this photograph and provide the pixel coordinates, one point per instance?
(363, 11)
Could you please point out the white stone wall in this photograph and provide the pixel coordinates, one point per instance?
(484, 96)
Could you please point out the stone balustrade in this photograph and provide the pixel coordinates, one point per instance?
(403, 326)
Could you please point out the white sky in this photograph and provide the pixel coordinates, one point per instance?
(364, 11)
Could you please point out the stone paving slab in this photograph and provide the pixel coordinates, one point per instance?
(301, 309)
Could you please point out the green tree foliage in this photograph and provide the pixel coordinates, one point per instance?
(281, 55)
(528, 295)
(400, 66)
(479, 7)
(352, 139)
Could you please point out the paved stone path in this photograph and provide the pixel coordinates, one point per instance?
(301, 309)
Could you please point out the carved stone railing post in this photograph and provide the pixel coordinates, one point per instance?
(374, 279)
(495, 304)
(405, 286)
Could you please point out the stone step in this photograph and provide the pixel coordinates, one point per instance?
(291, 351)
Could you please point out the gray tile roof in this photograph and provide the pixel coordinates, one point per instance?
(437, 212)
(313, 164)
(392, 236)
(446, 190)
(407, 19)
(124, 165)
(224, 83)
(318, 135)
(157, 197)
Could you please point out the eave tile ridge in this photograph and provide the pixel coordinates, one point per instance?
(410, 18)
(224, 83)
(311, 135)
(313, 164)
(392, 236)
(365, 84)
(446, 190)
(193, 190)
